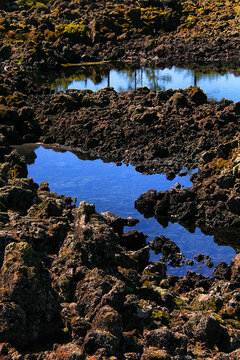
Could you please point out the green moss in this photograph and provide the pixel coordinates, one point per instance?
(232, 323)
(213, 305)
(34, 3)
(190, 19)
(73, 31)
(237, 9)
(15, 100)
(153, 353)
(161, 316)
(220, 164)
(179, 302)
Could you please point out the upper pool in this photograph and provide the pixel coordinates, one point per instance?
(115, 188)
(216, 84)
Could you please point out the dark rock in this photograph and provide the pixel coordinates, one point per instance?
(164, 338)
(20, 195)
(118, 223)
(153, 353)
(162, 206)
(158, 245)
(44, 186)
(189, 262)
(225, 181)
(5, 239)
(4, 218)
(97, 290)
(69, 351)
(94, 242)
(5, 52)
(201, 258)
(233, 204)
(141, 257)
(51, 207)
(207, 156)
(145, 204)
(222, 271)
(133, 240)
(197, 95)
(109, 320)
(190, 281)
(208, 329)
(26, 113)
(101, 340)
(178, 99)
(18, 167)
(169, 250)
(76, 325)
(130, 344)
(188, 212)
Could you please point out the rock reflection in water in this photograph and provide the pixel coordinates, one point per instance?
(217, 83)
(115, 188)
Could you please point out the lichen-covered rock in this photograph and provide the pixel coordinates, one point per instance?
(5, 239)
(235, 269)
(108, 319)
(101, 342)
(98, 289)
(208, 328)
(18, 195)
(93, 236)
(69, 351)
(165, 338)
(29, 305)
(153, 353)
(154, 273)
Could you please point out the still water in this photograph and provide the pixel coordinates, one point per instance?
(115, 188)
(216, 84)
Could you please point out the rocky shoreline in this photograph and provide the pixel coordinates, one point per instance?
(73, 285)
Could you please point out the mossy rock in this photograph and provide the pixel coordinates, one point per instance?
(26, 286)
(197, 95)
(153, 353)
(17, 100)
(161, 317)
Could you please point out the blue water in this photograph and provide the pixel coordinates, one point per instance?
(215, 85)
(115, 188)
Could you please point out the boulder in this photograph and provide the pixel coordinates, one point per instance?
(208, 328)
(29, 307)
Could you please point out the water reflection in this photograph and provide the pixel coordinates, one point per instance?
(215, 83)
(115, 188)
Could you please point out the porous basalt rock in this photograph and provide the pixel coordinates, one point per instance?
(48, 34)
(29, 305)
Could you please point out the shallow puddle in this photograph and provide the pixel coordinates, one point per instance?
(216, 84)
(115, 188)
